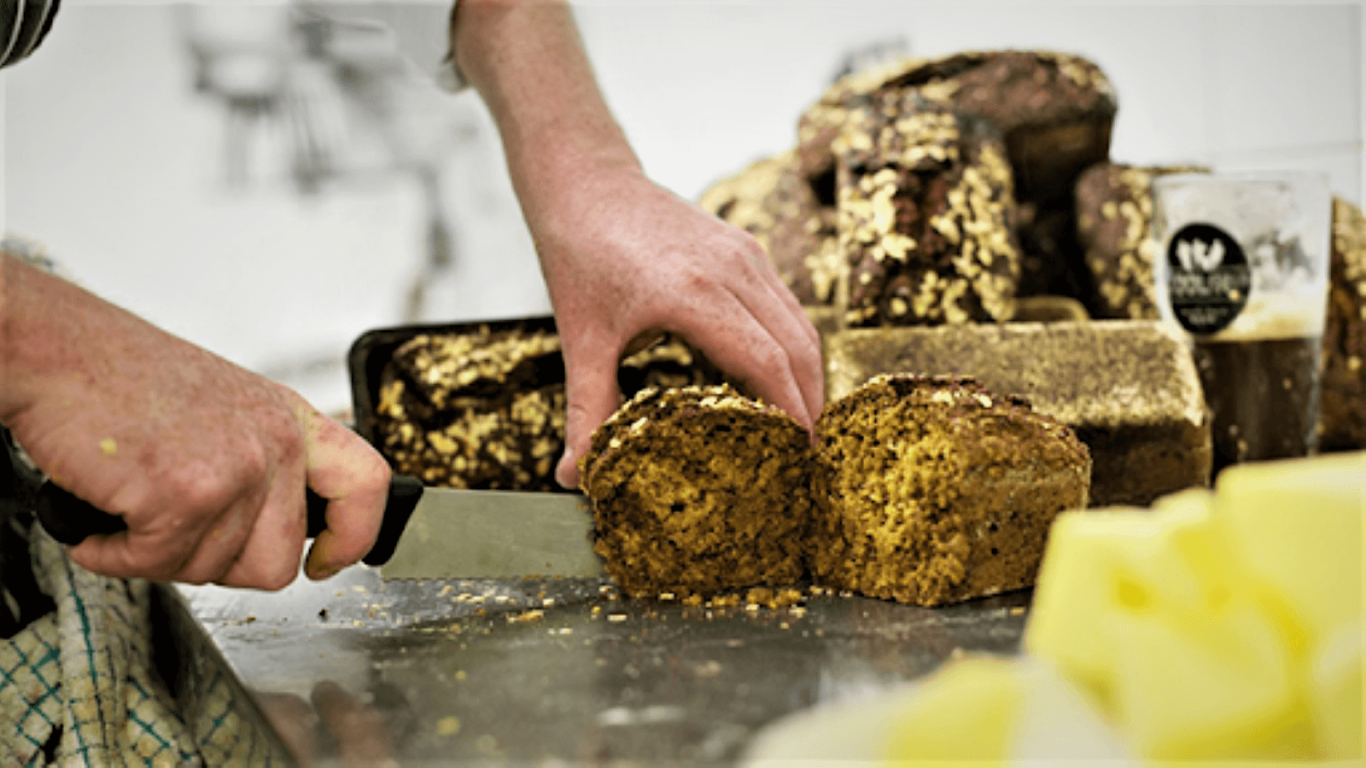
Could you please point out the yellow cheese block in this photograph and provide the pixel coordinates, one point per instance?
(975, 711)
(1221, 687)
(1121, 560)
(1201, 626)
(1296, 525)
(1335, 694)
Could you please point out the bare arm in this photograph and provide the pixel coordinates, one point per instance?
(206, 462)
(622, 257)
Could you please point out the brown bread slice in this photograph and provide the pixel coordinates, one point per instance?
(699, 490)
(932, 490)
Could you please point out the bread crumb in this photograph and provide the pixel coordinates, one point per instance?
(448, 726)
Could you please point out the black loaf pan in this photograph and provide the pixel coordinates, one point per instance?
(373, 350)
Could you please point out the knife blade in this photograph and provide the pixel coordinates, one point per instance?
(457, 533)
(426, 532)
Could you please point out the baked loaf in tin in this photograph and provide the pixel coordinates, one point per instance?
(481, 409)
(483, 406)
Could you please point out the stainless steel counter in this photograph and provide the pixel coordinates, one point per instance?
(562, 671)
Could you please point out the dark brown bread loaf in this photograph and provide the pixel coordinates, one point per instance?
(484, 407)
(771, 201)
(1129, 389)
(1054, 110)
(1342, 409)
(1114, 211)
(699, 490)
(935, 490)
(925, 216)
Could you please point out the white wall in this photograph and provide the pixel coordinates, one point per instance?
(113, 161)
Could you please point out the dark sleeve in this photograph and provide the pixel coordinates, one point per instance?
(23, 24)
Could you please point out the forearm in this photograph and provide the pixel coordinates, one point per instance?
(43, 320)
(525, 59)
(31, 306)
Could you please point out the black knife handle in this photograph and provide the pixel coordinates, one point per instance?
(70, 520)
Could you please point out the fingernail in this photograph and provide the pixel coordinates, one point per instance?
(565, 470)
(319, 571)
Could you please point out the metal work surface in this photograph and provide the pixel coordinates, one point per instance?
(556, 672)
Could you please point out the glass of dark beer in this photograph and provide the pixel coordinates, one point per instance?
(1241, 264)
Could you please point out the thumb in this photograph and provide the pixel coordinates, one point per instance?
(592, 395)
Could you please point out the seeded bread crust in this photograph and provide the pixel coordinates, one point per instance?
(485, 409)
(771, 201)
(479, 410)
(1026, 94)
(932, 490)
(1055, 112)
(1114, 213)
(698, 491)
(925, 216)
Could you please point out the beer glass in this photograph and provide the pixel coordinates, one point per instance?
(1241, 264)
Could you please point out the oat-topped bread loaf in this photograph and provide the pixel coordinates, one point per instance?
(699, 490)
(1342, 408)
(1054, 110)
(771, 201)
(484, 409)
(1114, 213)
(934, 490)
(925, 216)
(484, 406)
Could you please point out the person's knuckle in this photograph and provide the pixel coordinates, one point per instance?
(376, 468)
(771, 360)
(194, 579)
(272, 576)
(277, 578)
(159, 563)
(698, 282)
(749, 246)
(201, 487)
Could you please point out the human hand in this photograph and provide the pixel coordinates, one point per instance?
(362, 737)
(624, 258)
(207, 463)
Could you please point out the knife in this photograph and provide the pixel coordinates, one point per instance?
(426, 533)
